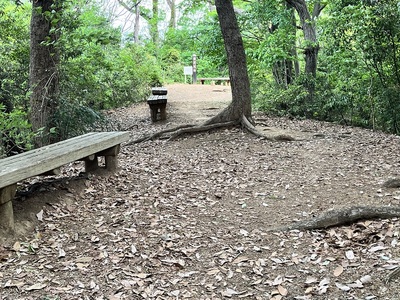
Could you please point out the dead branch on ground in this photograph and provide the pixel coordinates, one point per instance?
(343, 216)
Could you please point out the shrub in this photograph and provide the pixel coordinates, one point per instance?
(15, 132)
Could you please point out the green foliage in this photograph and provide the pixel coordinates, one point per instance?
(103, 77)
(357, 82)
(73, 118)
(361, 49)
(199, 33)
(14, 52)
(15, 132)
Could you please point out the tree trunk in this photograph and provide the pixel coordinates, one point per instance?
(286, 70)
(172, 20)
(136, 27)
(134, 9)
(309, 31)
(43, 72)
(240, 84)
(155, 35)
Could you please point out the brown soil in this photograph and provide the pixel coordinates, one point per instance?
(188, 218)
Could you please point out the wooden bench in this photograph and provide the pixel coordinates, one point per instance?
(87, 147)
(158, 103)
(217, 79)
(159, 91)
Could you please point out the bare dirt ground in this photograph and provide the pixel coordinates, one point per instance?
(189, 218)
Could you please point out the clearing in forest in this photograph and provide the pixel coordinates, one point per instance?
(189, 218)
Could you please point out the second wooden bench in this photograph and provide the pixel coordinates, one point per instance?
(157, 102)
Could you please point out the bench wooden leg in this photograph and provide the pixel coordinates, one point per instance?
(110, 157)
(91, 164)
(153, 112)
(163, 112)
(6, 209)
(111, 163)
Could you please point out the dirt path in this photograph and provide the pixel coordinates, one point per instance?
(197, 102)
(188, 219)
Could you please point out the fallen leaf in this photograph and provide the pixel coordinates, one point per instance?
(350, 255)
(357, 284)
(377, 248)
(244, 232)
(142, 275)
(17, 246)
(366, 279)
(229, 293)
(310, 280)
(240, 259)
(61, 253)
(16, 284)
(278, 280)
(323, 286)
(282, 290)
(338, 271)
(83, 259)
(39, 215)
(37, 286)
(343, 287)
(213, 271)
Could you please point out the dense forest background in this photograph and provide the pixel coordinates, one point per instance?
(335, 61)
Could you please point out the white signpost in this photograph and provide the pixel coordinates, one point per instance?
(187, 71)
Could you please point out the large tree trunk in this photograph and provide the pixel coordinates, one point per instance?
(240, 84)
(239, 110)
(43, 72)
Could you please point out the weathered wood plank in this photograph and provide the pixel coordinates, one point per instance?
(6, 210)
(157, 99)
(226, 79)
(9, 161)
(159, 91)
(111, 163)
(35, 162)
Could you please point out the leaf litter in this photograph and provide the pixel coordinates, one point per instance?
(188, 219)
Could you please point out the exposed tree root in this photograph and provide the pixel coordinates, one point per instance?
(249, 126)
(158, 134)
(392, 183)
(348, 215)
(200, 128)
(175, 132)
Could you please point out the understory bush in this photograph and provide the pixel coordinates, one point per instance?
(73, 118)
(15, 132)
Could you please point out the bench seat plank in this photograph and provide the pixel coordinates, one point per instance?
(159, 91)
(35, 162)
(226, 79)
(157, 99)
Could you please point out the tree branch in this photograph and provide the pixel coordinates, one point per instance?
(342, 216)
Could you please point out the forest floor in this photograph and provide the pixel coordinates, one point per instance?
(189, 218)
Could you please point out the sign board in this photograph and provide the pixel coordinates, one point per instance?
(187, 70)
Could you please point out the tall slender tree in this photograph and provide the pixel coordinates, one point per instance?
(308, 25)
(172, 20)
(134, 8)
(43, 72)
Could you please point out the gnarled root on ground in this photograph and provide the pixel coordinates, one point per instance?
(342, 216)
(175, 132)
